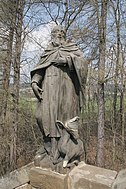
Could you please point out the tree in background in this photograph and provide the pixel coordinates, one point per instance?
(7, 20)
(19, 5)
(101, 79)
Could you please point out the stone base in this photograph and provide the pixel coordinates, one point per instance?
(25, 186)
(120, 182)
(17, 179)
(47, 179)
(82, 176)
(90, 177)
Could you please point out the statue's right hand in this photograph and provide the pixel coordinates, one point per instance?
(37, 91)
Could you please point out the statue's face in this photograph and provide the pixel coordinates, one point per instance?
(58, 33)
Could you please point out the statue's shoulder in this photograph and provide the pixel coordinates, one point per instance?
(73, 47)
(47, 51)
(49, 46)
(71, 43)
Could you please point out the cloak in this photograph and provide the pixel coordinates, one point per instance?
(63, 86)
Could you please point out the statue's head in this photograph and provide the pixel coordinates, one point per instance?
(72, 126)
(58, 32)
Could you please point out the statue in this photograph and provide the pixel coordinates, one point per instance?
(58, 82)
(70, 147)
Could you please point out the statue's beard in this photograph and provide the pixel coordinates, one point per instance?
(58, 41)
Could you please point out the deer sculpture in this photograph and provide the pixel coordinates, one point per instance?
(70, 147)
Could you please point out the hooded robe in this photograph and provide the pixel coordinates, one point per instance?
(63, 86)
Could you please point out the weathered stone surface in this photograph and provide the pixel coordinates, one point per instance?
(120, 182)
(16, 178)
(81, 177)
(89, 177)
(25, 186)
(47, 179)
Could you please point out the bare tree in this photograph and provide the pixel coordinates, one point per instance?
(122, 95)
(17, 60)
(101, 78)
(8, 36)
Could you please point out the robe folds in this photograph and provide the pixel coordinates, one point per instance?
(63, 86)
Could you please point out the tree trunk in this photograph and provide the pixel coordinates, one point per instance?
(115, 114)
(18, 48)
(8, 60)
(101, 72)
(122, 101)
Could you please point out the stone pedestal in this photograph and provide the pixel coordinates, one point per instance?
(18, 179)
(47, 179)
(81, 177)
(25, 186)
(90, 177)
(120, 182)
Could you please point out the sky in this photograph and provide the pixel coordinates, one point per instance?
(35, 43)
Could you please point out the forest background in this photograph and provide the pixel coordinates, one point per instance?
(99, 29)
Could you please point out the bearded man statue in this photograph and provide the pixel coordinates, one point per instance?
(58, 82)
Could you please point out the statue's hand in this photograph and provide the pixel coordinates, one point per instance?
(37, 91)
(61, 61)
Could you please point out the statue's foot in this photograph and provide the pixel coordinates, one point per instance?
(56, 161)
(72, 164)
(76, 162)
(65, 162)
(38, 158)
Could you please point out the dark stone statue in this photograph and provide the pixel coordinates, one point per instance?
(58, 82)
(70, 147)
